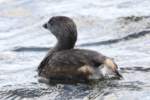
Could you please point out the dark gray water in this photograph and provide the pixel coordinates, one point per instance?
(117, 28)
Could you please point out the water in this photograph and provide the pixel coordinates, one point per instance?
(117, 28)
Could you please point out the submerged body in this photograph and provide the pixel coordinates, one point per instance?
(65, 62)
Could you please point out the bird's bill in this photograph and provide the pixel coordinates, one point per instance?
(45, 25)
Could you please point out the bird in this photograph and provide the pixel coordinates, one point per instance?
(63, 61)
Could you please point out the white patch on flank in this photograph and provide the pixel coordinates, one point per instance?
(86, 69)
(97, 73)
(107, 72)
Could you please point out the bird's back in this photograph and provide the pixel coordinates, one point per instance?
(71, 63)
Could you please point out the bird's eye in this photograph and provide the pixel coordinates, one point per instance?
(51, 22)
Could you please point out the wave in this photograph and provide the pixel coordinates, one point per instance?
(113, 41)
(20, 49)
(140, 69)
(107, 42)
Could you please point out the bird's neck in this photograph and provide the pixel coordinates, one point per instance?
(64, 44)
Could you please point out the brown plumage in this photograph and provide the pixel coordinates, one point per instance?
(63, 61)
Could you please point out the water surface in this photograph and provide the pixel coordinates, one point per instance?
(118, 28)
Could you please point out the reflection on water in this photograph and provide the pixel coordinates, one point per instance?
(113, 28)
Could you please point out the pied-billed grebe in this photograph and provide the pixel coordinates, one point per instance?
(63, 61)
